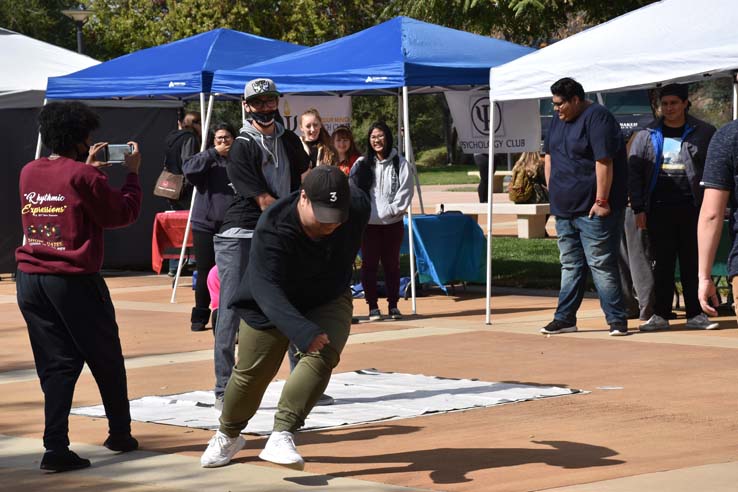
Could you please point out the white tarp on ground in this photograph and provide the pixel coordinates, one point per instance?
(667, 41)
(361, 396)
(518, 127)
(27, 63)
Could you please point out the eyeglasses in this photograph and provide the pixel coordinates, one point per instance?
(260, 104)
(224, 137)
(557, 105)
(377, 138)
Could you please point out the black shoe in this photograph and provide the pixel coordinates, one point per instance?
(555, 327)
(61, 461)
(122, 443)
(618, 330)
(199, 318)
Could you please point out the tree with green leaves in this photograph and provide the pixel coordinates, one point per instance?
(40, 19)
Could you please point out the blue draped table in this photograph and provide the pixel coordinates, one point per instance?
(448, 247)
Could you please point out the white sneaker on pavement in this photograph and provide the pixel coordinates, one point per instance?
(702, 322)
(654, 323)
(221, 449)
(280, 449)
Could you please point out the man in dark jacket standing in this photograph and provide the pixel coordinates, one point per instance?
(266, 162)
(666, 163)
(295, 291)
(181, 144)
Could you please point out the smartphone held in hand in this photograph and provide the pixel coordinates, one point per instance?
(114, 153)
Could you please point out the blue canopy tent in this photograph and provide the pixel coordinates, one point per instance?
(178, 70)
(401, 52)
(397, 57)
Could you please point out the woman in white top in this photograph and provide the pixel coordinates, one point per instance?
(391, 194)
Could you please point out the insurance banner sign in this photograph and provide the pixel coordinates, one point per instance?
(517, 123)
(334, 111)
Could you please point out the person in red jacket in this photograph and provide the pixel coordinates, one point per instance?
(66, 204)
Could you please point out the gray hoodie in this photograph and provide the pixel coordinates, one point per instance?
(275, 162)
(390, 195)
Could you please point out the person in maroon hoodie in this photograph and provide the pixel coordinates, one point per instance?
(66, 203)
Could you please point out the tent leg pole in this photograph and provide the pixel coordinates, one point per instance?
(38, 155)
(490, 172)
(411, 241)
(38, 141)
(207, 110)
(400, 141)
(735, 95)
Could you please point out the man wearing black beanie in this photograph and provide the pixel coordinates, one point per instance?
(665, 168)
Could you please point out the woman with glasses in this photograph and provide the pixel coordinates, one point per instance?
(390, 182)
(207, 171)
(315, 139)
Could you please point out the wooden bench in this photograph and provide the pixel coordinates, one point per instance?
(498, 178)
(531, 217)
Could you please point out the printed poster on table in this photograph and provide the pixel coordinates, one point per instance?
(518, 124)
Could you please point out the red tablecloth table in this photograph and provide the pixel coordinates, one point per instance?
(169, 230)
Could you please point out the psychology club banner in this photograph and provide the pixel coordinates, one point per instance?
(517, 123)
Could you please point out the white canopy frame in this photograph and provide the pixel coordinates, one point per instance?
(206, 110)
(650, 65)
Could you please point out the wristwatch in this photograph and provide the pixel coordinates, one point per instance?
(601, 202)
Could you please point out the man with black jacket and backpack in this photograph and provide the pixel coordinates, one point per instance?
(266, 162)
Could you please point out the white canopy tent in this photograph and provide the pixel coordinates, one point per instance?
(664, 42)
(28, 63)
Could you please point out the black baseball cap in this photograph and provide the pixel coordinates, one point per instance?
(327, 187)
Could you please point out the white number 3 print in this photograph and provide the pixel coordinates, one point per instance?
(334, 196)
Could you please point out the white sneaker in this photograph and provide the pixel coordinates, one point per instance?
(280, 449)
(654, 323)
(221, 449)
(702, 322)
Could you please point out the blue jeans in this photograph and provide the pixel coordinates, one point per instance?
(231, 256)
(590, 244)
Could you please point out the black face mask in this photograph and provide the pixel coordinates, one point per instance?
(264, 118)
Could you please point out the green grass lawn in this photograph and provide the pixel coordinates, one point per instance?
(526, 263)
(443, 175)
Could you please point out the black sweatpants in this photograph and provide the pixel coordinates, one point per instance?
(205, 260)
(673, 233)
(71, 321)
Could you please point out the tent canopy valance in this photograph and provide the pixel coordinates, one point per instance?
(181, 69)
(401, 52)
(667, 41)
